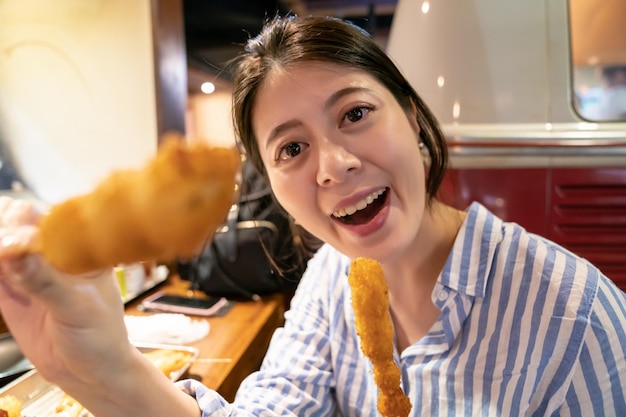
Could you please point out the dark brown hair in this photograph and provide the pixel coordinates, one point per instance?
(288, 40)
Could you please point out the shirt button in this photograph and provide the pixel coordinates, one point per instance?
(442, 295)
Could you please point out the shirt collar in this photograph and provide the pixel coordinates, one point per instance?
(469, 264)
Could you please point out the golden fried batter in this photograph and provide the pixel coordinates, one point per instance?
(10, 406)
(370, 301)
(167, 209)
(68, 407)
(169, 361)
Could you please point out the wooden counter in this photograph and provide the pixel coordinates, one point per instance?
(241, 335)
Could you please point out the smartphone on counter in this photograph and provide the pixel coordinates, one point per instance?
(173, 303)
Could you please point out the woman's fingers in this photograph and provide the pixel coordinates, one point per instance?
(16, 212)
(18, 240)
(78, 301)
(18, 231)
(65, 324)
(19, 213)
(66, 294)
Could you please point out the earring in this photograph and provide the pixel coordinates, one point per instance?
(421, 145)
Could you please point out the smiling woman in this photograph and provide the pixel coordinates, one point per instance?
(478, 313)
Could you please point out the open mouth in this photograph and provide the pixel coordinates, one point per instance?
(363, 211)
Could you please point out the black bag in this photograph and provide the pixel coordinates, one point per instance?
(254, 253)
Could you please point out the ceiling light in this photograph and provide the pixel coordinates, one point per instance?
(207, 87)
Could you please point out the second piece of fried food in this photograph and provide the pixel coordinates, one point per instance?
(165, 210)
(10, 406)
(169, 361)
(370, 301)
(68, 407)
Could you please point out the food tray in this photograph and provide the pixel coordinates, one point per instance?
(40, 397)
(174, 376)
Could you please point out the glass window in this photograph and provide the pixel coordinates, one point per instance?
(598, 51)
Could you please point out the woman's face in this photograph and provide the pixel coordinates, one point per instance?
(342, 157)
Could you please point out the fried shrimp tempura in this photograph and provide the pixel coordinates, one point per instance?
(370, 302)
(167, 209)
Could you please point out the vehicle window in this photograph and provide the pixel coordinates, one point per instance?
(598, 53)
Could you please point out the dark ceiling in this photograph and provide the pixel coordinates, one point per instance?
(215, 30)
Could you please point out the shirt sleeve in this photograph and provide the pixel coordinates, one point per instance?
(209, 401)
(296, 377)
(602, 360)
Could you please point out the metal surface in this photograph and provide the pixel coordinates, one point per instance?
(12, 361)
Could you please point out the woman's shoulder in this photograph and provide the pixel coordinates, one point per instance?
(567, 281)
(510, 241)
(326, 270)
(327, 264)
(322, 291)
(525, 261)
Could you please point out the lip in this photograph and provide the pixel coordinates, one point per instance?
(355, 198)
(375, 223)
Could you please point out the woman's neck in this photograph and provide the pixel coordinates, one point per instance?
(412, 276)
(420, 264)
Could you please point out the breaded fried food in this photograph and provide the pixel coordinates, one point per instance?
(163, 211)
(68, 407)
(169, 361)
(10, 406)
(370, 301)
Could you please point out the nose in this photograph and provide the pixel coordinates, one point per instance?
(335, 162)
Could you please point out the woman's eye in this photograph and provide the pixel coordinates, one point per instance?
(356, 114)
(289, 151)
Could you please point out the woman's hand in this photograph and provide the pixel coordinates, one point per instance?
(70, 327)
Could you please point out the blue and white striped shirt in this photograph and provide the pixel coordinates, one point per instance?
(526, 329)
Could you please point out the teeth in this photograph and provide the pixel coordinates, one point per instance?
(360, 205)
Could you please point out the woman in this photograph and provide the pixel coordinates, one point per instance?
(488, 318)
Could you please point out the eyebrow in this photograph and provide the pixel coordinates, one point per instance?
(274, 133)
(337, 95)
(332, 100)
